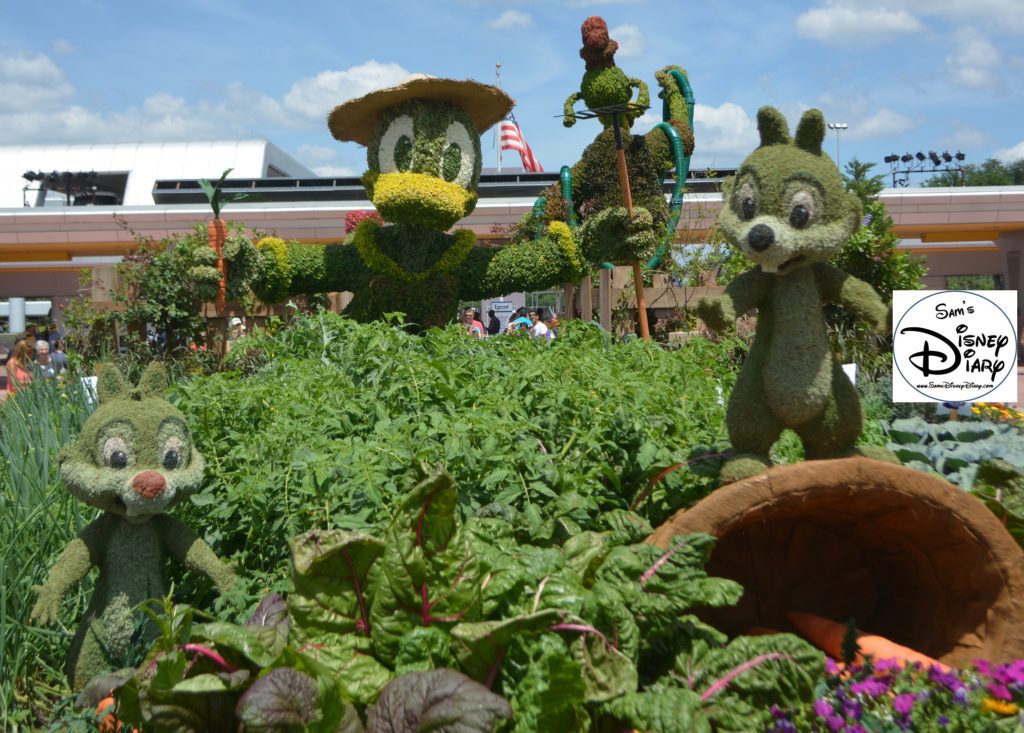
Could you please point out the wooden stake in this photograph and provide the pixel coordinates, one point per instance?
(627, 197)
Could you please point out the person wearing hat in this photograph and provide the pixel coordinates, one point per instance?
(422, 141)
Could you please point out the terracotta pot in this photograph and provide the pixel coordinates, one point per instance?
(908, 555)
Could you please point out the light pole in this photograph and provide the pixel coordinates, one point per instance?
(837, 126)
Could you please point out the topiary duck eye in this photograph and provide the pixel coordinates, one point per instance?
(171, 459)
(458, 157)
(747, 202)
(395, 150)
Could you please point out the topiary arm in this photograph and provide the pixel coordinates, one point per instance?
(187, 548)
(855, 295)
(83, 552)
(743, 293)
(569, 118)
(299, 268)
(531, 265)
(676, 112)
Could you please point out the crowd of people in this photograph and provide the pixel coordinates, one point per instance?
(33, 357)
(539, 323)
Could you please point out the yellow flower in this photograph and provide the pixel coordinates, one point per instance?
(1000, 707)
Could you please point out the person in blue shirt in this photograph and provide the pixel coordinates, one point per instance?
(521, 322)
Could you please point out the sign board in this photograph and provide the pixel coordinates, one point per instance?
(503, 309)
(954, 346)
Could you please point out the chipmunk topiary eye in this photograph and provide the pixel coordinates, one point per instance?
(173, 442)
(173, 450)
(395, 150)
(457, 156)
(801, 209)
(746, 201)
(115, 452)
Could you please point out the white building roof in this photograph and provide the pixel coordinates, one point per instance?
(144, 163)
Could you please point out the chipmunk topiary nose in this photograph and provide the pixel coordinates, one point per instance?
(149, 484)
(761, 237)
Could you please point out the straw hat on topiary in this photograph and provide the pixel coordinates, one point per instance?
(355, 119)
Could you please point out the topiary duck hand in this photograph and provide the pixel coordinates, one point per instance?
(612, 236)
(47, 607)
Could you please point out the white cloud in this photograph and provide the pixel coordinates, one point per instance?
(1003, 16)
(975, 62)
(845, 24)
(966, 136)
(62, 46)
(1009, 155)
(511, 19)
(727, 132)
(312, 98)
(316, 153)
(883, 123)
(631, 40)
(335, 171)
(31, 82)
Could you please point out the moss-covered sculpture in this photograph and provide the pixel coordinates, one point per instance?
(133, 460)
(424, 162)
(607, 233)
(787, 210)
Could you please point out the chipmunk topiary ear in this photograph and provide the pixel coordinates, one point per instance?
(110, 382)
(153, 382)
(811, 131)
(773, 127)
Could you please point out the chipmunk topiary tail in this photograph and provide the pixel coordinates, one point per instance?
(787, 210)
(133, 460)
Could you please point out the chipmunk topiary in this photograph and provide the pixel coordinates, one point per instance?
(788, 211)
(133, 460)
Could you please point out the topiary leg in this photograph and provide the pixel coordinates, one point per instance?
(103, 642)
(753, 427)
(833, 433)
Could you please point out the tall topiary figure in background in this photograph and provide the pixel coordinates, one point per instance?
(595, 192)
(133, 460)
(424, 162)
(787, 210)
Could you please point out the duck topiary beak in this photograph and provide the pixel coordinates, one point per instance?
(419, 199)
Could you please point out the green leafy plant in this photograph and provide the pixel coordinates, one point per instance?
(596, 629)
(215, 193)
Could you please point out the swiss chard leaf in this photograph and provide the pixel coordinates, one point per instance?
(780, 669)
(439, 700)
(332, 590)
(429, 573)
(270, 622)
(424, 648)
(481, 647)
(656, 711)
(545, 686)
(282, 700)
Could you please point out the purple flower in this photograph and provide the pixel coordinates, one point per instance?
(983, 667)
(887, 665)
(830, 666)
(999, 691)
(960, 696)
(856, 728)
(835, 722)
(822, 707)
(949, 680)
(867, 220)
(904, 703)
(943, 720)
(870, 687)
(853, 710)
(1015, 673)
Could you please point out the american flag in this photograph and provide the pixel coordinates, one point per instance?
(512, 139)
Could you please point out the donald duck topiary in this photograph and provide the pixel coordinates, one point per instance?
(422, 141)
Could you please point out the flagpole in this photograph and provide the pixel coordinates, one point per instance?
(497, 76)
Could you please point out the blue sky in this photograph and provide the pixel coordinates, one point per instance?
(904, 75)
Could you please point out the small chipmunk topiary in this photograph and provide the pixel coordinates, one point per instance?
(133, 460)
(786, 209)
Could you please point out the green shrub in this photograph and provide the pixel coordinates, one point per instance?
(324, 429)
